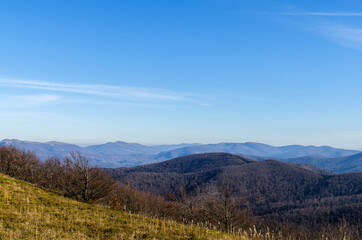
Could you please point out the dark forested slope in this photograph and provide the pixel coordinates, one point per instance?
(268, 188)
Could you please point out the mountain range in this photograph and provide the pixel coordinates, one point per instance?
(269, 188)
(259, 149)
(123, 154)
(111, 154)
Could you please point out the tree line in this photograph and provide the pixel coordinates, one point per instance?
(74, 177)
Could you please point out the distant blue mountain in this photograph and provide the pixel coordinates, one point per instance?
(111, 154)
(43, 150)
(123, 148)
(123, 154)
(164, 148)
(351, 163)
(260, 150)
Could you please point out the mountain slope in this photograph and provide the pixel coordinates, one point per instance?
(266, 187)
(29, 212)
(350, 164)
(123, 154)
(346, 164)
(111, 154)
(105, 155)
(122, 148)
(194, 163)
(259, 149)
(43, 150)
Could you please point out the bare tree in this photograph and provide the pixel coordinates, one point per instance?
(9, 160)
(224, 210)
(184, 208)
(133, 201)
(52, 174)
(83, 182)
(19, 164)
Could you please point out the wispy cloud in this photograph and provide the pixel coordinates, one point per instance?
(328, 14)
(339, 31)
(119, 92)
(346, 36)
(23, 101)
(28, 116)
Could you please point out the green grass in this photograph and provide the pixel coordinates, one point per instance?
(29, 212)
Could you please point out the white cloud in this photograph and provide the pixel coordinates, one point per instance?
(24, 101)
(344, 35)
(338, 32)
(328, 14)
(121, 92)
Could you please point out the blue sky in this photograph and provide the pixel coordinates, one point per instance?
(158, 72)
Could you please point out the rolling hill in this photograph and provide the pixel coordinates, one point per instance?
(42, 150)
(29, 212)
(346, 164)
(269, 188)
(259, 149)
(111, 154)
(123, 154)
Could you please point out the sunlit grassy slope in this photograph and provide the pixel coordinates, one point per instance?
(29, 212)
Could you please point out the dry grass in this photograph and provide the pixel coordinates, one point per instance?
(29, 212)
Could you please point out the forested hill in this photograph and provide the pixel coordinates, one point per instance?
(269, 188)
(123, 154)
(191, 164)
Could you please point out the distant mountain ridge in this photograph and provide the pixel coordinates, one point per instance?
(351, 163)
(259, 149)
(123, 154)
(111, 154)
(43, 150)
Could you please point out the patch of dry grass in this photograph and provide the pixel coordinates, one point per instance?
(29, 212)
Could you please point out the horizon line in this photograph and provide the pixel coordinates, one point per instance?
(168, 144)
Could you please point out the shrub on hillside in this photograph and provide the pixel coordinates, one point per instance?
(72, 175)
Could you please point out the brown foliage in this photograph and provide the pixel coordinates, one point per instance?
(73, 176)
(83, 182)
(19, 164)
(133, 201)
(224, 211)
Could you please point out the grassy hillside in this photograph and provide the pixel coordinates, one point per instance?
(29, 212)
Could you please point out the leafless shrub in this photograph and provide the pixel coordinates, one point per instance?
(224, 211)
(19, 164)
(83, 182)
